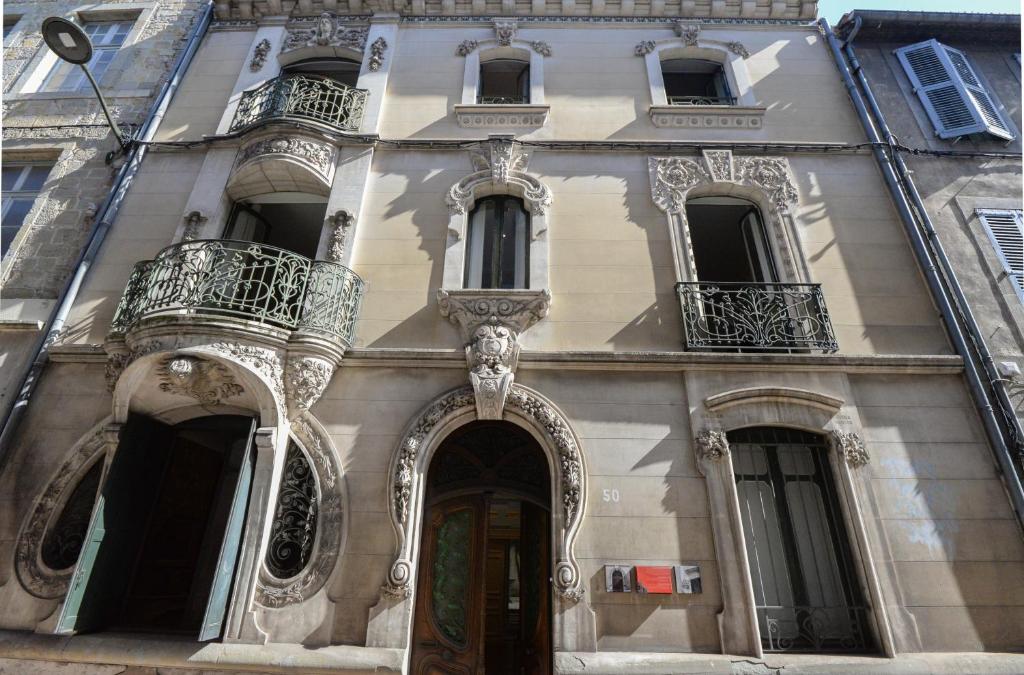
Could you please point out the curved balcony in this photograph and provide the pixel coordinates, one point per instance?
(302, 97)
(755, 317)
(262, 284)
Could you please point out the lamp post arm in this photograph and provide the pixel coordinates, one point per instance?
(122, 141)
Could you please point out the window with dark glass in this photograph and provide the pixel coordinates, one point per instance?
(504, 81)
(498, 244)
(107, 38)
(290, 225)
(695, 82)
(21, 185)
(345, 71)
(728, 240)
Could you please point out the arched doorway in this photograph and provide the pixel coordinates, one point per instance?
(483, 601)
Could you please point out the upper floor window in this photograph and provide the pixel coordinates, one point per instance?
(498, 244)
(695, 82)
(21, 185)
(344, 71)
(1005, 229)
(107, 37)
(952, 94)
(504, 81)
(729, 241)
(290, 221)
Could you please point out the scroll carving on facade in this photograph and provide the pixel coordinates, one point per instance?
(306, 378)
(491, 323)
(645, 47)
(409, 467)
(712, 444)
(327, 31)
(501, 162)
(208, 382)
(262, 360)
(505, 32)
(719, 163)
(259, 55)
(34, 574)
(377, 50)
(673, 177)
(690, 33)
(541, 47)
(771, 174)
(851, 447)
(341, 223)
(328, 509)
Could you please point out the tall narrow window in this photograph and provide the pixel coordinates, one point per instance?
(805, 587)
(729, 242)
(107, 37)
(504, 81)
(293, 532)
(21, 185)
(1005, 229)
(695, 82)
(498, 244)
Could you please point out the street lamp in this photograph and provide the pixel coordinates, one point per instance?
(70, 43)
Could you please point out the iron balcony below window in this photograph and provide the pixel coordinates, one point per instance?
(241, 279)
(302, 97)
(755, 316)
(814, 629)
(701, 100)
(502, 100)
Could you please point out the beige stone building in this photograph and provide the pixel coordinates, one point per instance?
(450, 337)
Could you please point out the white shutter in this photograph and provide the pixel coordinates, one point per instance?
(950, 91)
(1005, 229)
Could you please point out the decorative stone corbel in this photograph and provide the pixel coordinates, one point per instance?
(341, 222)
(305, 379)
(850, 447)
(194, 222)
(645, 47)
(259, 55)
(541, 47)
(491, 322)
(377, 50)
(466, 47)
(505, 32)
(712, 444)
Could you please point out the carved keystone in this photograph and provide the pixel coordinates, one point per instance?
(491, 322)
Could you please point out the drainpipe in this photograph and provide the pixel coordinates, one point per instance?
(104, 219)
(950, 315)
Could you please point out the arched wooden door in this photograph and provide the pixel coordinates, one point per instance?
(483, 599)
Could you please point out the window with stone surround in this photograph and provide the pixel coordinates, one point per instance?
(504, 81)
(22, 183)
(107, 38)
(498, 244)
(695, 82)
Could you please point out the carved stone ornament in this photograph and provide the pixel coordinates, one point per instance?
(644, 48)
(541, 47)
(673, 177)
(340, 224)
(851, 447)
(738, 49)
(119, 358)
(275, 593)
(318, 155)
(501, 163)
(409, 467)
(262, 360)
(35, 576)
(208, 382)
(194, 222)
(466, 47)
(689, 32)
(259, 55)
(327, 31)
(377, 50)
(712, 444)
(306, 378)
(491, 323)
(505, 32)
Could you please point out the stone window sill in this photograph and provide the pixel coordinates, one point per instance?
(707, 116)
(481, 116)
(56, 95)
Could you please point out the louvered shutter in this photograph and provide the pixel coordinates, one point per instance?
(950, 91)
(1006, 231)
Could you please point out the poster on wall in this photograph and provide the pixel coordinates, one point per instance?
(688, 579)
(617, 578)
(653, 579)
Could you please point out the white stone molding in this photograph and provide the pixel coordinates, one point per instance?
(692, 43)
(282, 163)
(331, 523)
(326, 30)
(499, 168)
(765, 181)
(35, 576)
(406, 490)
(340, 223)
(306, 378)
(775, 395)
(504, 45)
(491, 323)
(377, 49)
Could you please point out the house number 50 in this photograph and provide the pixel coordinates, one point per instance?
(611, 495)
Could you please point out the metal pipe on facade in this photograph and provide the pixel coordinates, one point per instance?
(104, 218)
(975, 383)
(970, 322)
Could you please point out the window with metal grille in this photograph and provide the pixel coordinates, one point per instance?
(951, 92)
(504, 81)
(1005, 229)
(805, 587)
(21, 185)
(498, 244)
(695, 82)
(107, 37)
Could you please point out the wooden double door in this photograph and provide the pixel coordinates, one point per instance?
(483, 600)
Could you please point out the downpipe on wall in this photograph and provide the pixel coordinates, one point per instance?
(104, 219)
(951, 315)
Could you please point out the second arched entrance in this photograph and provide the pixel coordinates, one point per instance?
(483, 601)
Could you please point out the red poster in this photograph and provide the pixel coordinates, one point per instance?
(653, 579)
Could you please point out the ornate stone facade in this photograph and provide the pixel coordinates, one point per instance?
(318, 155)
(208, 382)
(500, 162)
(712, 444)
(851, 448)
(259, 55)
(327, 31)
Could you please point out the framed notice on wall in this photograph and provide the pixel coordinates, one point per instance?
(653, 579)
(617, 579)
(688, 579)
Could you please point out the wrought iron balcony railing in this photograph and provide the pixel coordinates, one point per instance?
(701, 100)
(502, 100)
(251, 281)
(303, 97)
(755, 316)
(814, 629)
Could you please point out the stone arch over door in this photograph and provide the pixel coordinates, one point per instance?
(391, 619)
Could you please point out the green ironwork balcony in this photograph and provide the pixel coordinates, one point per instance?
(701, 100)
(502, 100)
(755, 317)
(241, 279)
(302, 97)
